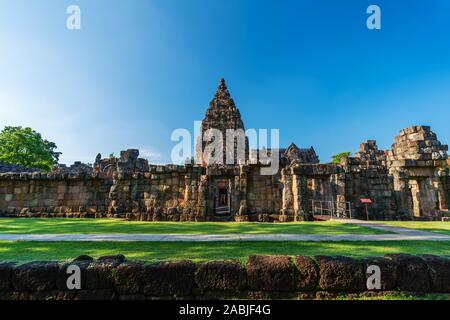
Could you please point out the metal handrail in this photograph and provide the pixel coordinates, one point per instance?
(338, 209)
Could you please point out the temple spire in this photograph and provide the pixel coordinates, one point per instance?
(222, 114)
(222, 96)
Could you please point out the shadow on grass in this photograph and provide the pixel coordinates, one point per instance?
(430, 226)
(202, 251)
(97, 226)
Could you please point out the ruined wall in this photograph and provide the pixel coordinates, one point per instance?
(314, 182)
(263, 277)
(416, 162)
(263, 193)
(409, 181)
(52, 194)
(367, 176)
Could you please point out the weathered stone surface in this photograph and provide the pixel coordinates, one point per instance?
(341, 274)
(174, 278)
(99, 274)
(119, 258)
(99, 294)
(52, 295)
(77, 168)
(83, 258)
(5, 167)
(222, 114)
(413, 273)
(269, 277)
(128, 278)
(307, 274)
(271, 273)
(221, 275)
(6, 270)
(15, 295)
(439, 270)
(35, 276)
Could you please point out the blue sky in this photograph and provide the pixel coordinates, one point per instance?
(137, 70)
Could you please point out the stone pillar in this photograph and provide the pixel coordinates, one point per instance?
(287, 207)
(241, 184)
(187, 188)
(297, 187)
(202, 205)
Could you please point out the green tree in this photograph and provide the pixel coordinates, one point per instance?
(336, 159)
(25, 147)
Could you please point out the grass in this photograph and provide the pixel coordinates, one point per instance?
(204, 251)
(398, 296)
(98, 226)
(432, 226)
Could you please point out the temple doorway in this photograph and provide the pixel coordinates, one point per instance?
(222, 197)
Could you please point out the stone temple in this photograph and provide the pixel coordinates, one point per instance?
(409, 181)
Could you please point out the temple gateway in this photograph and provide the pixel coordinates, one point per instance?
(409, 181)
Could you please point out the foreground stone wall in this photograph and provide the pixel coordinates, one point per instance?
(263, 277)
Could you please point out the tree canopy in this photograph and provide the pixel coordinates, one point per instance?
(336, 159)
(26, 147)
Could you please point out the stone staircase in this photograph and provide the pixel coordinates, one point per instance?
(223, 211)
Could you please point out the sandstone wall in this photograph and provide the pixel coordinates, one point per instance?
(371, 182)
(53, 194)
(415, 162)
(409, 181)
(263, 277)
(263, 193)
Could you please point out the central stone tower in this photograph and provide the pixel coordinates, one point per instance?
(221, 115)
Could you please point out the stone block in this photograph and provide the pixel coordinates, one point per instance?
(35, 276)
(439, 270)
(221, 275)
(6, 270)
(341, 274)
(271, 273)
(174, 278)
(99, 274)
(128, 278)
(413, 273)
(307, 273)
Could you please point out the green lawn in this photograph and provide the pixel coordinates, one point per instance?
(202, 251)
(432, 226)
(91, 226)
(398, 296)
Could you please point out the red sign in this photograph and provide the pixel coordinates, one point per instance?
(366, 200)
